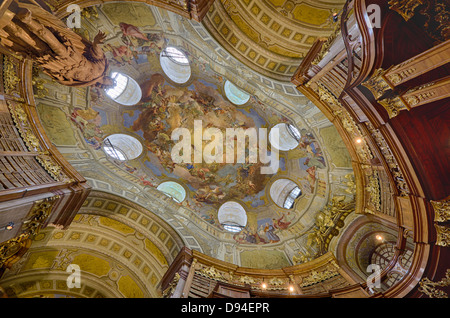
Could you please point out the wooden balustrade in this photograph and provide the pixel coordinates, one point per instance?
(200, 276)
(356, 92)
(37, 185)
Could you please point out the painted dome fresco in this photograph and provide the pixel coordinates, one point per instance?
(180, 95)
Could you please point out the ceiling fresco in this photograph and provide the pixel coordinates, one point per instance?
(136, 36)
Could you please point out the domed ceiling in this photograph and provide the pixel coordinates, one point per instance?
(271, 36)
(78, 120)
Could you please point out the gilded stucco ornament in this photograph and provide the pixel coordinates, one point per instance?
(211, 272)
(168, 292)
(10, 78)
(20, 118)
(443, 235)
(328, 220)
(405, 7)
(316, 277)
(35, 219)
(38, 215)
(430, 289)
(441, 211)
(377, 84)
(393, 105)
(11, 247)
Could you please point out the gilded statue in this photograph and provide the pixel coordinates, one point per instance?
(29, 29)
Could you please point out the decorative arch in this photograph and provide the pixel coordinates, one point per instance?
(191, 9)
(121, 250)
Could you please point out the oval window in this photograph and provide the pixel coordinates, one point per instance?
(235, 94)
(175, 65)
(173, 189)
(284, 192)
(126, 90)
(122, 147)
(232, 216)
(288, 137)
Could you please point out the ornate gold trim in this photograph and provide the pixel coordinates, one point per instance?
(377, 84)
(429, 288)
(11, 247)
(393, 105)
(23, 125)
(443, 235)
(405, 7)
(316, 277)
(10, 78)
(441, 218)
(38, 214)
(441, 211)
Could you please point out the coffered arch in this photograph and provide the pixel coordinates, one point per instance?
(271, 36)
(122, 250)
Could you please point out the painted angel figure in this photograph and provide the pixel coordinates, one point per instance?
(33, 31)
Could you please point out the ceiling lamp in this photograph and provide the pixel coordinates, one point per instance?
(8, 227)
(232, 216)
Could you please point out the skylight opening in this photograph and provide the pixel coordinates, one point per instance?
(121, 82)
(122, 147)
(232, 227)
(294, 132)
(292, 196)
(235, 95)
(176, 55)
(284, 193)
(288, 137)
(232, 216)
(114, 152)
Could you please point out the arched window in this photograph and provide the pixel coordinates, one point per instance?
(122, 147)
(126, 90)
(174, 190)
(284, 192)
(175, 64)
(235, 94)
(288, 137)
(232, 216)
